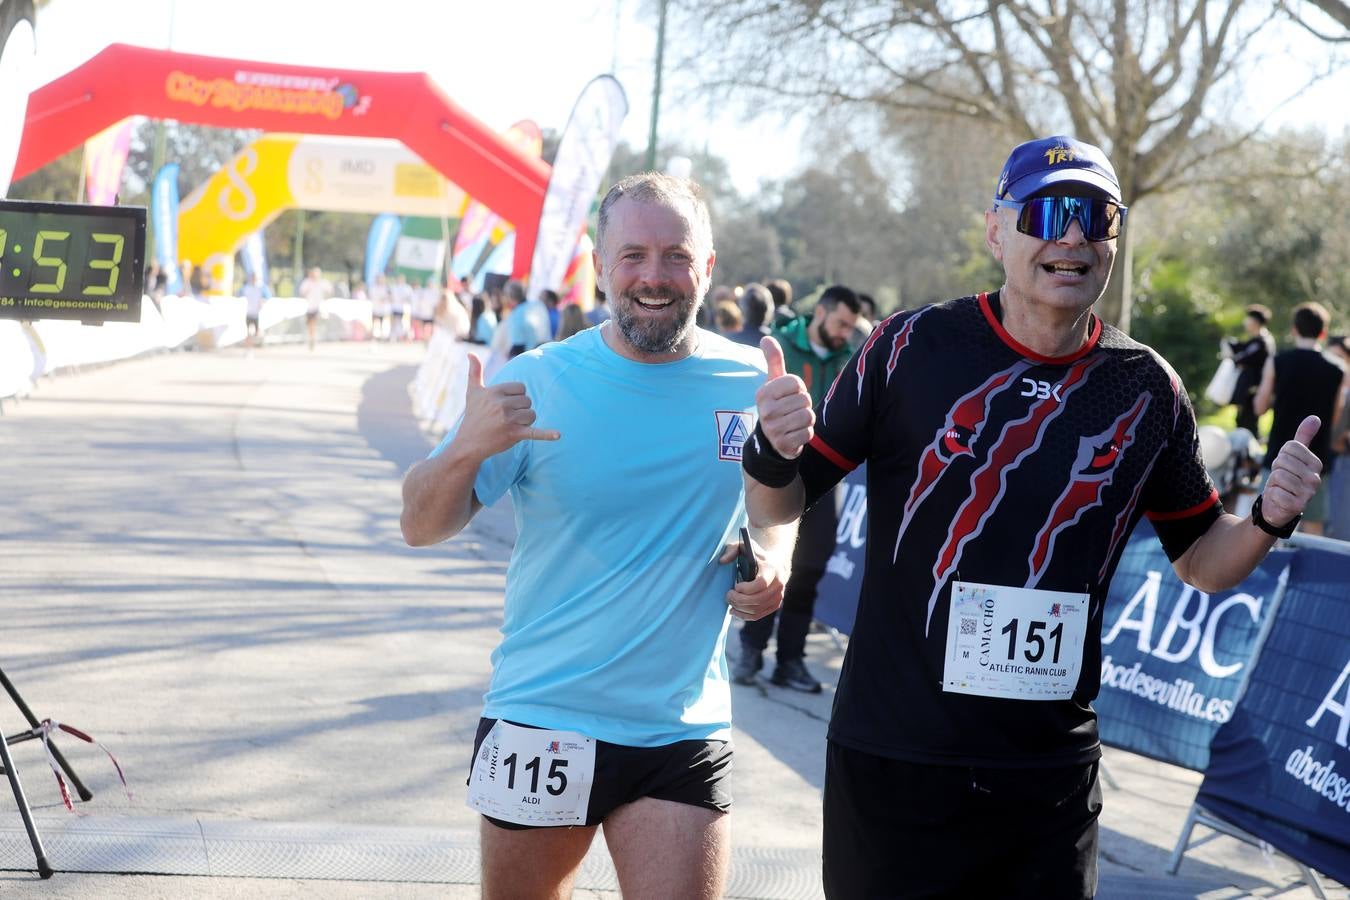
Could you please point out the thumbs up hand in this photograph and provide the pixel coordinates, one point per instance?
(497, 418)
(784, 405)
(1294, 476)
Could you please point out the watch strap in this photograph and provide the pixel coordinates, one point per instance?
(1280, 531)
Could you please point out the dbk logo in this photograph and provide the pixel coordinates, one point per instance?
(1042, 390)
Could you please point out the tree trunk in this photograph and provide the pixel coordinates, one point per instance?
(1118, 301)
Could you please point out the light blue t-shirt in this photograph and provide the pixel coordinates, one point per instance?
(616, 615)
(529, 324)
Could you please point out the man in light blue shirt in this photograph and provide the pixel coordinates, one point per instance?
(609, 702)
(528, 322)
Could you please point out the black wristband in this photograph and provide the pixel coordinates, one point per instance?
(766, 465)
(1285, 531)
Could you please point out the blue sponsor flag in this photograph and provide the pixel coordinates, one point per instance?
(1280, 768)
(253, 256)
(1174, 658)
(380, 243)
(164, 212)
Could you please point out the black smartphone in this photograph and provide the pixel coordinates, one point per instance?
(747, 567)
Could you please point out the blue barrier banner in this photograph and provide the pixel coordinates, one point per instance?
(1173, 657)
(1280, 768)
(837, 592)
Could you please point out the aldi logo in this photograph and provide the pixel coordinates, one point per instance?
(732, 430)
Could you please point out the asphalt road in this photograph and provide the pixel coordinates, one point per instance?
(201, 566)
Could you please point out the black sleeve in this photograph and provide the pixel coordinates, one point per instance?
(1179, 498)
(846, 417)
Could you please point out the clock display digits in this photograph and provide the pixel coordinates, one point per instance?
(48, 262)
(71, 261)
(112, 266)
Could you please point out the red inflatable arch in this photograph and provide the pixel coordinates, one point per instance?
(124, 81)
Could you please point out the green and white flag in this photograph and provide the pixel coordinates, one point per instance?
(420, 252)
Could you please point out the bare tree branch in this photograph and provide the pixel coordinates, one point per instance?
(1338, 10)
(1141, 77)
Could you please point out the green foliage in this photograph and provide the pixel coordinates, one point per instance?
(978, 270)
(1179, 315)
(58, 180)
(199, 150)
(335, 242)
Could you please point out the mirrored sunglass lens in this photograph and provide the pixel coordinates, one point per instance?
(1048, 218)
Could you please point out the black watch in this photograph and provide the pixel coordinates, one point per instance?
(1280, 531)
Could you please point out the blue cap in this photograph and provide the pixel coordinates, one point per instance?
(1058, 159)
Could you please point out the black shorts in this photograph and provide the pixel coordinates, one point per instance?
(901, 829)
(690, 772)
(311, 316)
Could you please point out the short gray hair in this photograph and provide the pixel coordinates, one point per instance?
(657, 187)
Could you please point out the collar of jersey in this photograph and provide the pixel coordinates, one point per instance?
(1094, 334)
(616, 358)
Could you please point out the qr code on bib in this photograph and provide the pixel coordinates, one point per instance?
(967, 625)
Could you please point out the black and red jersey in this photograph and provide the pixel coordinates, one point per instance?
(989, 463)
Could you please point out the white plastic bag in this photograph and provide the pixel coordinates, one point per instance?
(1224, 382)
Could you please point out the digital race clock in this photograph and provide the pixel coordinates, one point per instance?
(68, 261)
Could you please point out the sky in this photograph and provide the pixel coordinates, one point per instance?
(508, 60)
(502, 61)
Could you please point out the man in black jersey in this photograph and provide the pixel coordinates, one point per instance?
(1299, 382)
(1013, 440)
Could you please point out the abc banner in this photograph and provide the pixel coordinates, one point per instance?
(1174, 658)
(1280, 768)
(837, 592)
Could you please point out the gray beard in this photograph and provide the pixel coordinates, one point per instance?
(655, 337)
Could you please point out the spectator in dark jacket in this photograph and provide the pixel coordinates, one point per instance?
(756, 301)
(1249, 354)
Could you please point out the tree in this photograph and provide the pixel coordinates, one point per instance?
(748, 248)
(709, 170)
(1180, 315)
(1144, 79)
(837, 225)
(1276, 242)
(199, 150)
(58, 180)
(1288, 243)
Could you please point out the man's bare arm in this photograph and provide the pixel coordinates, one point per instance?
(438, 497)
(768, 507)
(787, 420)
(755, 599)
(1231, 548)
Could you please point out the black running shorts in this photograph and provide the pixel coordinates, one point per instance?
(899, 829)
(689, 772)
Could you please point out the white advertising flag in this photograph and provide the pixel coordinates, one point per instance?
(584, 153)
